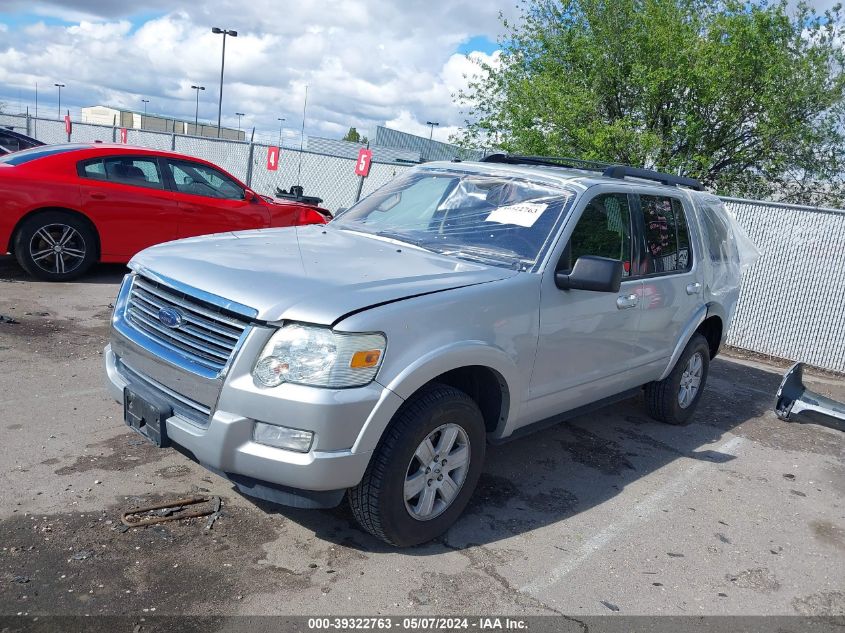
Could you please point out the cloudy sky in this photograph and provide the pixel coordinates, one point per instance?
(366, 62)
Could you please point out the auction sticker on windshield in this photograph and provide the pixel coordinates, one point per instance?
(521, 214)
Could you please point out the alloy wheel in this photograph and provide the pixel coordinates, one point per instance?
(57, 248)
(437, 472)
(690, 380)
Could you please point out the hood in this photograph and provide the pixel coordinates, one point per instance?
(315, 274)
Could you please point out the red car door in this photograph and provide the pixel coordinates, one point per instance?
(210, 201)
(128, 200)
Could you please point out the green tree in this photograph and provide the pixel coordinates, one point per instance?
(746, 96)
(352, 136)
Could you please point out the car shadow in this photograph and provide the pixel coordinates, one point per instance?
(547, 477)
(10, 271)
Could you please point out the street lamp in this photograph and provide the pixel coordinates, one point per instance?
(197, 110)
(281, 121)
(239, 115)
(60, 86)
(145, 102)
(224, 33)
(431, 124)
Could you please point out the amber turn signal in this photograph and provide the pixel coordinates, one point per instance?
(361, 360)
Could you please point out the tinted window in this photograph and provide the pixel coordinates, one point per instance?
(93, 169)
(142, 172)
(604, 229)
(202, 180)
(667, 238)
(9, 142)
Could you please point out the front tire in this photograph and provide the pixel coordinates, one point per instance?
(55, 246)
(424, 470)
(673, 400)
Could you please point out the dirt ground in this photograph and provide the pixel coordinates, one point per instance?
(736, 514)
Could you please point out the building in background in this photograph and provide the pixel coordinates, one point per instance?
(117, 117)
(427, 150)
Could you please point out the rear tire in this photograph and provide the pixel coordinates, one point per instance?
(55, 246)
(405, 500)
(673, 400)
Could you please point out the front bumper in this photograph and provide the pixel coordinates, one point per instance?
(214, 414)
(796, 403)
(225, 445)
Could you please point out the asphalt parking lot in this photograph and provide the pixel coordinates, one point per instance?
(738, 513)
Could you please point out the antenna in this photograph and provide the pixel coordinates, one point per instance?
(302, 138)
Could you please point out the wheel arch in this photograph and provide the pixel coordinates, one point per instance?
(56, 209)
(485, 374)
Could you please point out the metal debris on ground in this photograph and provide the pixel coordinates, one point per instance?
(215, 515)
(174, 510)
(8, 319)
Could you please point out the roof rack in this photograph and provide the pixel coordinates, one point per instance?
(551, 161)
(623, 171)
(609, 170)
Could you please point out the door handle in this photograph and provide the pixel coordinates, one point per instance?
(625, 302)
(98, 196)
(694, 289)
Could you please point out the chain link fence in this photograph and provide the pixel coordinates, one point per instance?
(791, 301)
(324, 168)
(790, 306)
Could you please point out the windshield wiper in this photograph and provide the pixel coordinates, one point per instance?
(486, 256)
(401, 237)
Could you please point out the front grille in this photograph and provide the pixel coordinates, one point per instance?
(207, 337)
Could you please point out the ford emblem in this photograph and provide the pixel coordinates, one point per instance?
(171, 317)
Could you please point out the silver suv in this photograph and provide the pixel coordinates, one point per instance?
(462, 303)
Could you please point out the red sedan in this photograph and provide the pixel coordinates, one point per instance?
(65, 207)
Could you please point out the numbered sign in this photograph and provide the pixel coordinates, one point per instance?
(272, 158)
(362, 165)
(68, 125)
(123, 135)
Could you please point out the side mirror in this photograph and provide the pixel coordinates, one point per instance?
(249, 195)
(599, 274)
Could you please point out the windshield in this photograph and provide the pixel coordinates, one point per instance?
(498, 220)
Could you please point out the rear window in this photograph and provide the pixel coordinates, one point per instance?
(27, 155)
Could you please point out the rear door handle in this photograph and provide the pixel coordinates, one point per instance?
(694, 289)
(624, 302)
(98, 196)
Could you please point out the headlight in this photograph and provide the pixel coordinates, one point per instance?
(319, 357)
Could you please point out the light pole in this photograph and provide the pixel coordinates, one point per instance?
(239, 115)
(197, 110)
(224, 32)
(60, 86)
(145, 102)
(281, 122)
(430, 124)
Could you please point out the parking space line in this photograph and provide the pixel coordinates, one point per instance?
(651, 504)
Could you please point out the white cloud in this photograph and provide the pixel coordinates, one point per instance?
(365, 62)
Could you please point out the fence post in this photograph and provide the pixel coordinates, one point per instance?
(27, 122)
(249, 163)
(173, 139)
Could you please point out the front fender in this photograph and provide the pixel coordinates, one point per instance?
(430, 366)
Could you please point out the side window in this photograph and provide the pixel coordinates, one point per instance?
(141, 172)
(667, 238)
(604, 229)
(93, 169)
(9, 142)
(201, 180)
